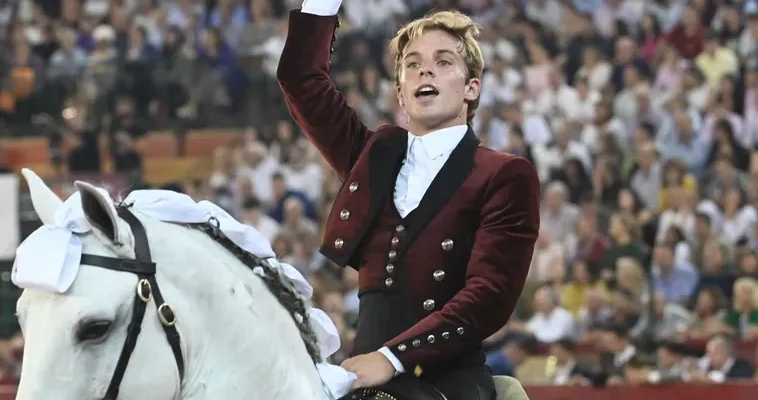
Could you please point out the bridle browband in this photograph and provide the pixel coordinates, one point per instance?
(147, 289)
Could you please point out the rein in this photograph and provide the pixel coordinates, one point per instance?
(148, 289)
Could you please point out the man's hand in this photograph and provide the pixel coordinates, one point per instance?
(373, 369)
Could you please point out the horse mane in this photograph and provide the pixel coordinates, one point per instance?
(279, 286)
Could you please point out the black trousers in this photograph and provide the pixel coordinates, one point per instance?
(466, 383)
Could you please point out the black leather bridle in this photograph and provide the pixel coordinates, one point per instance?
(147, 289)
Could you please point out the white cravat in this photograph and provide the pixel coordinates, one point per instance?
(425, 157)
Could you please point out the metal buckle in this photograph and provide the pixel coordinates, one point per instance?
(166, 321)
(142, 286)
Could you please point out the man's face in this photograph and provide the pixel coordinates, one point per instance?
(434, 85)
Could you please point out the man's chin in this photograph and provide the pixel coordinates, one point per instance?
(431, 121)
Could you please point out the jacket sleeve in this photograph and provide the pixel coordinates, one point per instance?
(495, 276)
(314, 102)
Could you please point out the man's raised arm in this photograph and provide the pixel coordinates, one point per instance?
(317, 106)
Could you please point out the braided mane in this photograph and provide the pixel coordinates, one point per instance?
(278, 285)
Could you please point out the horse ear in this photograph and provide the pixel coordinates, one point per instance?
(99, 210)
(46, 203)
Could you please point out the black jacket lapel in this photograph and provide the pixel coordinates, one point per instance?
(384, 162)
(443, 187)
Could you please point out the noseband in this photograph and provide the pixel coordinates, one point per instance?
(147, 289)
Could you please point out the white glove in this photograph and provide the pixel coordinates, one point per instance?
(323, 8)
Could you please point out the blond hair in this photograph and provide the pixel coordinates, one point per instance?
(750, 285)
(630, 275)
(454, 23)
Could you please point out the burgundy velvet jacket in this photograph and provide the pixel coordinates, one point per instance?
(480, 216)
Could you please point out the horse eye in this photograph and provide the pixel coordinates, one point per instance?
(93, 330)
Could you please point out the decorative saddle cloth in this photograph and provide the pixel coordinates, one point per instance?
(398, 389)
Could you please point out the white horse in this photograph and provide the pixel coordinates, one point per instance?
(238, 341)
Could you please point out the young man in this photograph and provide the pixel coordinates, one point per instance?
(441, 230)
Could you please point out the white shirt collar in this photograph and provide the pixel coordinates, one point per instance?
(440, 142)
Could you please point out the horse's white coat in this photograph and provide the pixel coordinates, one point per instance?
(238, 341)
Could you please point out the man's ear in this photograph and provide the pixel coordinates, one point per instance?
(400, 99)
(473, 89)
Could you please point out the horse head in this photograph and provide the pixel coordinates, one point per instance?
(237, 341)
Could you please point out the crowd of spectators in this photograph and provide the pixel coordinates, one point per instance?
(641, 117)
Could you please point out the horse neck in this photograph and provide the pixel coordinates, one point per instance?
(239, 340)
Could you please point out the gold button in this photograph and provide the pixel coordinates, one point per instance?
(399, 228)
(344, 214)
(430, 338)
(388, 282)
(392, 254)
(339, 243)
(390, 268)
(416, 343)
(395, 241)
(447, 244)
(439, 275)
(353, 187)
(429, 305)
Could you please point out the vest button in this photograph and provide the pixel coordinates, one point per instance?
(399, 228)
(445, 335)
(459, 330)
(395, 241)
(430, 338)
(344, 214)
(392, 254)
(388, 282)
(439, 275)
(353, 187)
(339, 243)
(429, 305)
(416, 343)
(402, 347)
(390, 268)
(447, 244)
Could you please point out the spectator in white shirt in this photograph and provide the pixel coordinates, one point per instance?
(551, 322)
(559, 102)
(499, 84)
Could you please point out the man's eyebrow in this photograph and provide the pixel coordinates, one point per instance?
(437, 52)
